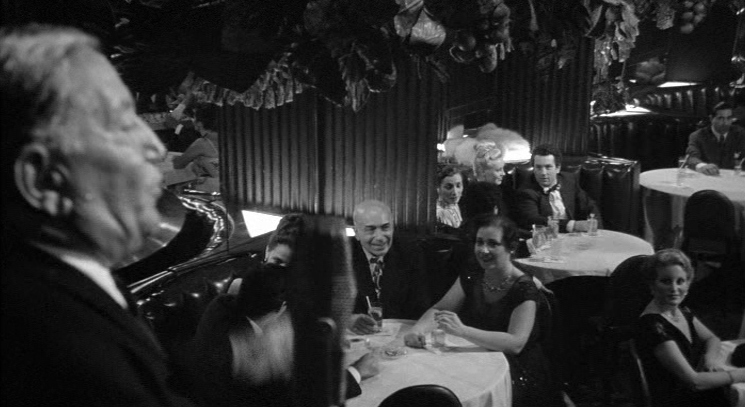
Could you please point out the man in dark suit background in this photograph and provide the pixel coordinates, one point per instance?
(387, 270)
(551, 193)
(717, 146)
(80, 189)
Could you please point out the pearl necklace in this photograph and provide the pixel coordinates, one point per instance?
(501, 287)
(671, 317)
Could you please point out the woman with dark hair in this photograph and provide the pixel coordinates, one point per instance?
(498, 307)
(203, 156)
(449, 190)
(679, 353)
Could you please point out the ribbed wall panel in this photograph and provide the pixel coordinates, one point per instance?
(551, 110)
(270, 157)
(387, 151)
(314, 157)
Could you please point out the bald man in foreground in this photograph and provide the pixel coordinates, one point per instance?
(385, 270)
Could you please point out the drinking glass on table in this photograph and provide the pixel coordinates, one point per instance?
(539, 237)
(375, 310)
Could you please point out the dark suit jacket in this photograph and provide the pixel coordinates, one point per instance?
(66, 342)
(404, 289)
(703, 147)
(533, 207)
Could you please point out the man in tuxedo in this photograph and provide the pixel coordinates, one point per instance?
(717, 146)
(551, 193)
(388, 271)
(80, 182)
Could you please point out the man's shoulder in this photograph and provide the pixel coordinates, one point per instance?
(530, 189)
(702, 132)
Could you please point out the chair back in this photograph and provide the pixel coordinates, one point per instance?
(552, 336)
(708, 224)
(423, 395)
(641, 388)
(626, 296)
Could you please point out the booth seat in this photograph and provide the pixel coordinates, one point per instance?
(612, 182)
(654, 140)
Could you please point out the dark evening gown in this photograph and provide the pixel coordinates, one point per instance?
(532, 382)
(665, 389)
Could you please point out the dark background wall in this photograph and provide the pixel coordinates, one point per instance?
(313, 156)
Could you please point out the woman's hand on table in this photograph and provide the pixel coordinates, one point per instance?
(367, 365)
(362, 324)
(415, 340)
(449, 322)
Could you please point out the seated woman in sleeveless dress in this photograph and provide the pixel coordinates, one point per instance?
(680, 354)
(498, 307)
(202, 156)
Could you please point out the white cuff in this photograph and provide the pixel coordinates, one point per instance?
(178, 129)
(355, 373)
(699, 165)
(178, 111)
(570, 226)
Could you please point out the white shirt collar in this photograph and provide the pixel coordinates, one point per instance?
(370, 256)
(718, 135)
(91, 268)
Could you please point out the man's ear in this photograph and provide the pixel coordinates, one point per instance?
(42, 181)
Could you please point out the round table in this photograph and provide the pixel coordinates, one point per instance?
(576, 254)
(479, 377)
(664, 200)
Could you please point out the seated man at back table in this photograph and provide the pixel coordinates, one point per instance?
(389, 272)
(552, 193)
(717, 146)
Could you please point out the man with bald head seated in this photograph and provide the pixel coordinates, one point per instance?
(385, 269)
(80, 185)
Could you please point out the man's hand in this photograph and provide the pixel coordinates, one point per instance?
(708, 169)
(415, 340)
(362, 324)
(367, 365)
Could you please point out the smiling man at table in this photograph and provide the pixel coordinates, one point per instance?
(388, 271)
(716, 146)
(552, 193)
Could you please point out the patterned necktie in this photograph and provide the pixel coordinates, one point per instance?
(377, 272)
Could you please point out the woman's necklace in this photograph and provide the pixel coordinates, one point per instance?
(672, 316)
(497, 288)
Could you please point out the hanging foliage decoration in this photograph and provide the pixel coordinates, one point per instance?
(262, 53)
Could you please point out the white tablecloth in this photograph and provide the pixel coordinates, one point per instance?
(664, 201)
(479, 377)
(582, 255)
(737, 390)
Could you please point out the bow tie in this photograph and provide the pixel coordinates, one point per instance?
(556, 187)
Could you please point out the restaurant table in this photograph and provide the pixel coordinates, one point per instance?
(737, 390)
(578, 254)
(664, 200)
(479, 377)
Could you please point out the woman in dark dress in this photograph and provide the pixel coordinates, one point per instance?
(497, 306)
(679, 353)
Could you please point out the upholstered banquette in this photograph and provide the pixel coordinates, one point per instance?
(612, 182)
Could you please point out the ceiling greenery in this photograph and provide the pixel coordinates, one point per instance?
(263, 53)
